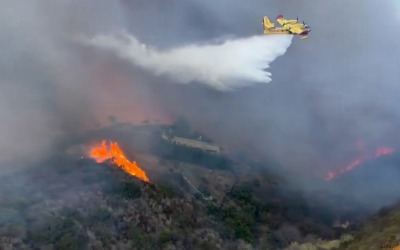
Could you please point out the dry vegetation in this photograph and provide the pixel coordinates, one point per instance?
(78, 204)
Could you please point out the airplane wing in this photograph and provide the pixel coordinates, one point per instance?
(282, 21)
(296, 29)
(291, 21)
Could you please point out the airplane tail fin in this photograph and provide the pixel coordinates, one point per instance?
(267, 23)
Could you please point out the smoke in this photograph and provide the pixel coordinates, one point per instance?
(337, 87)
(232, 63)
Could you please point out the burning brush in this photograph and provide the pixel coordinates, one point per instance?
(364, 156)
(104, 152)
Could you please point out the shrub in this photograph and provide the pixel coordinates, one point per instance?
(140, 239)
(100, 215)
(62, 232)
(128, 190)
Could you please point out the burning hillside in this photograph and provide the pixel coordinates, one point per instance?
(197, 200)
(361, 158)
(103, 152)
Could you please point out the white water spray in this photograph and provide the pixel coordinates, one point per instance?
(233, 63)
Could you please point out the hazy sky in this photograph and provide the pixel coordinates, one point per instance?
(339, 86)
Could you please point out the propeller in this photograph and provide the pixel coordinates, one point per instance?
(305, 25)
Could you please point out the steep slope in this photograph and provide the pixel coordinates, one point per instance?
(195, 200)
(381, 231)
(79, 204)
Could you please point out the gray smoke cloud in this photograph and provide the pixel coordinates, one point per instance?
(232, 63)
(48, 91)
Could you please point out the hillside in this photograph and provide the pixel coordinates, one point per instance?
(377, 228)
(69, 203)
(84, 205)
(380, 231)
(195, 200)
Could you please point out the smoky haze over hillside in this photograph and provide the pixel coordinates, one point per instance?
(328, 92)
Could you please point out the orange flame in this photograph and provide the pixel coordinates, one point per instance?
(381, 151)
(101, 153)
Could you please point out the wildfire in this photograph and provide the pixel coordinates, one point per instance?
(383, 151)
(102, 152)
(359, 160)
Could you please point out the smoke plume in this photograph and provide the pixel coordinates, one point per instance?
(338, 86)
(232, 63)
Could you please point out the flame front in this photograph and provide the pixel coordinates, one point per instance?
(381, 151)
(101, 153)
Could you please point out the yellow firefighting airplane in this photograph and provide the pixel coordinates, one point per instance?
(287, 27)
